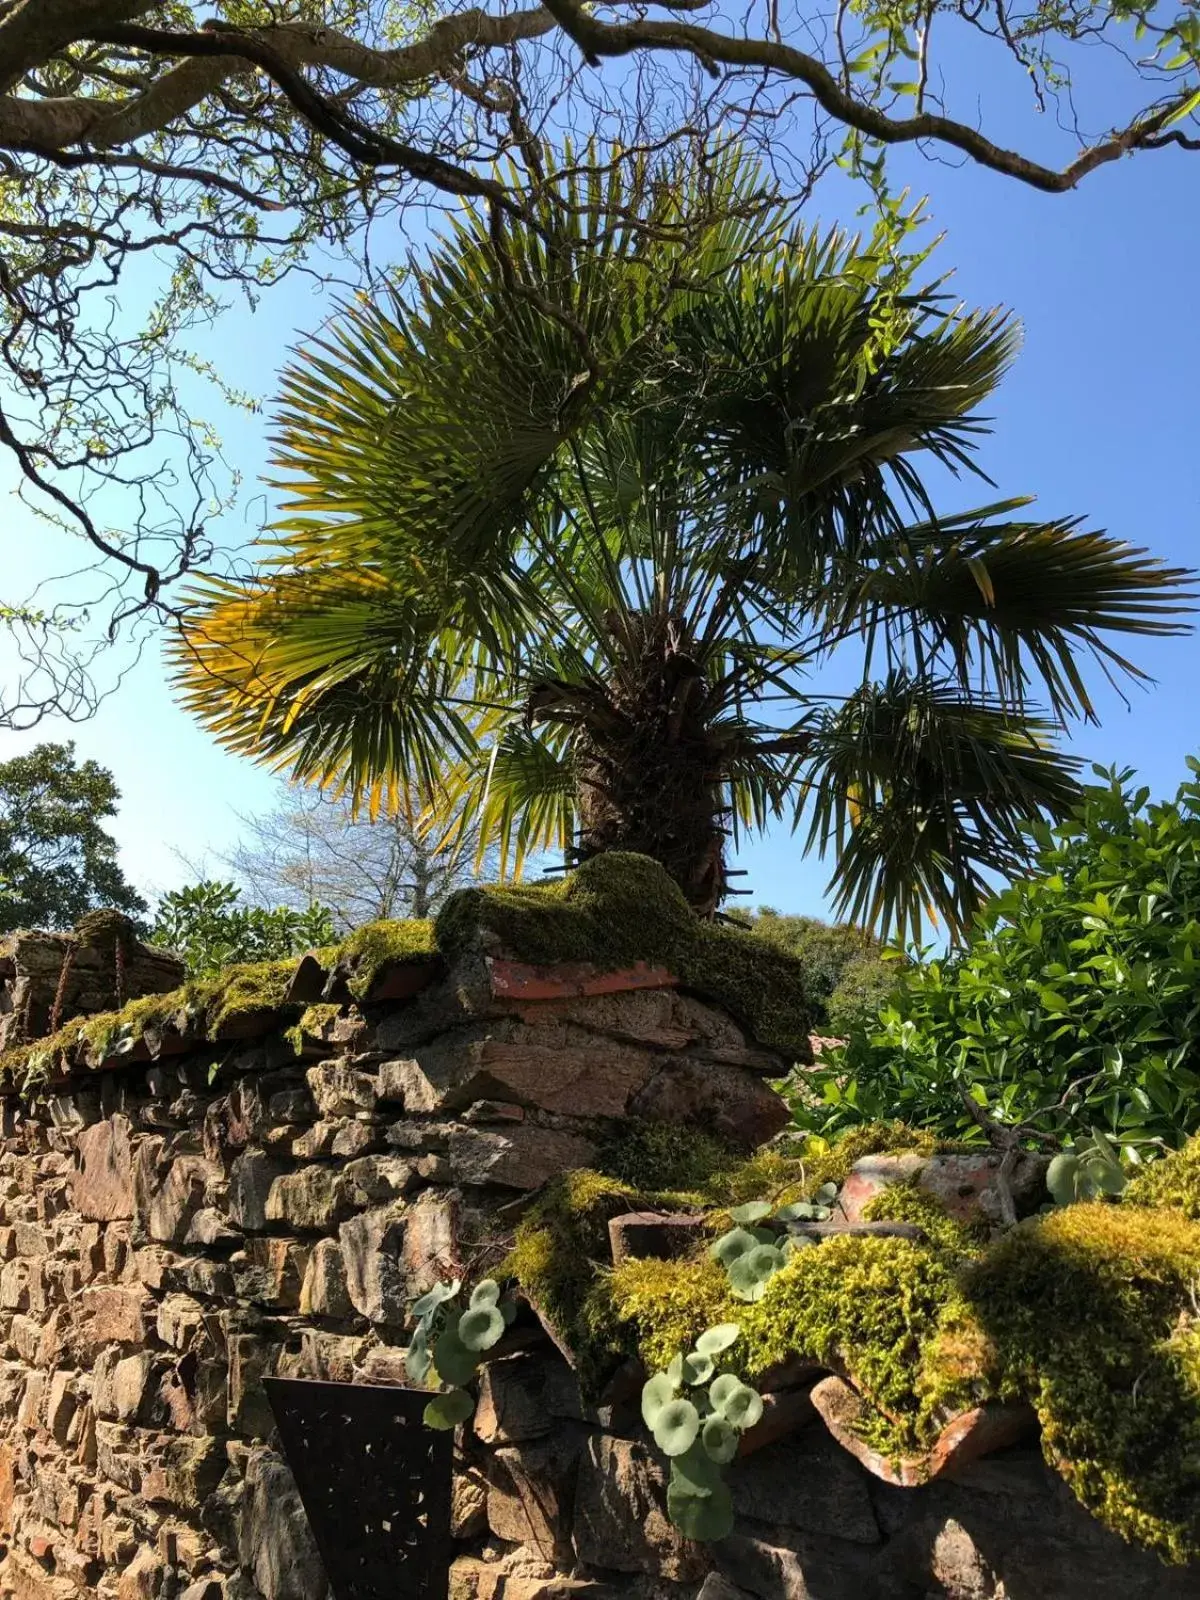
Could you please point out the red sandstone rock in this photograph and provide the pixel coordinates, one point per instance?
(518, 980)
(964, 1439)
(870, 1177)
(103, 1188)
(642, 1235)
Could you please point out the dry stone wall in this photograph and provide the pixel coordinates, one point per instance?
(175, 1226)
(172, 1230)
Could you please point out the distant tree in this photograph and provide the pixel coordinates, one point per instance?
(56, 860)
(312, 849)
(209, 927)
(849, 975)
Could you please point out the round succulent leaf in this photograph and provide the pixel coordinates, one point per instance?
(707, 1517)
(696, 1471)
(752, 1211)
(717, 1339)
(697, 1368)
(417, 1359)
(1062, 1177)
(744, 1282)
(793, 1246)
(826, 1194)
(480, 1328)
(447, 1410)
(737, 1242)
(453, 1362)
(743, 1408)
(657, 1392)
(721, 1389)
(675, 1370)
(676, 1426)
(804, 1211)
(719, 1439)
(435, 1297)
(486, 1293)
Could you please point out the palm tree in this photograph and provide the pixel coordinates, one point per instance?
(577, 521)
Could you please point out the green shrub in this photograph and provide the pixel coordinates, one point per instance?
(1076, 1002)
(848, 975)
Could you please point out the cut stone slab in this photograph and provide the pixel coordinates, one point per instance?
(653, 1236)
(964, 1439)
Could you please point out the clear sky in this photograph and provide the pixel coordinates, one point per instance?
(1098, 418)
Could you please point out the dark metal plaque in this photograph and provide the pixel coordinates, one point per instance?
(375, 1483)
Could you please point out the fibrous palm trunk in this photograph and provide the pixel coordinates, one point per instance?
(648, 772)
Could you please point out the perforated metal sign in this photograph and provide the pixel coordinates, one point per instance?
(375, 1483)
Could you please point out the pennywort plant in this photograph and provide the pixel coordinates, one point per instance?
(451, 1340)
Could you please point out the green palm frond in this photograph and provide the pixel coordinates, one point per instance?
(631, 470)
(921, 792)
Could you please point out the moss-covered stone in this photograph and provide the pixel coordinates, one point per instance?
(670, 1303)
(365, 952)
(1090, 1314)
(618, 909)
(1173, 1182)
(907, 1202)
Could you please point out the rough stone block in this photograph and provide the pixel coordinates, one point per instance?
(524, 1397)
(250, 1180)
(531, 1493)
(806, 1482)
(371, 1245)
(324, 1292)
(372, 1180)
(110, 1314)
(274, 1271)
(312, 1200)
(522, 1157)
(720, 1099)
(430, 1241)
(275, 1543)
(339, 1090)
(103, 1188)
(621, 1520)
(171, 1195)
(642, 1235)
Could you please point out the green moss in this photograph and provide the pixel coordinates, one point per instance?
(663, 1156)
(905, 1202)
(870, 1306)
(1173, 1182)
(670, 1303)
(370, 948)
(557, 1257)
(620, 908)
(1089, 1313)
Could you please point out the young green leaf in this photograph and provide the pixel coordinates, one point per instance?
(447, 1410)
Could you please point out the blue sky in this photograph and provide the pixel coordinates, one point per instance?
(1098, 418)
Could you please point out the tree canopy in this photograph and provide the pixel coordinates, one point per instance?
(575, 528)
(162, 155)
(57, 861)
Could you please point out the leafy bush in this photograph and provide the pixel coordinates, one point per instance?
(209, 927)
(1076, 1002)
(848, 974)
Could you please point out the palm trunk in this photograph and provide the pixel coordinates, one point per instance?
(649, 777)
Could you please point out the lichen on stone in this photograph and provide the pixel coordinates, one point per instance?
(618, 909)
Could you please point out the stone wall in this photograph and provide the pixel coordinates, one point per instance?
(173, 1229)
(179, 1219)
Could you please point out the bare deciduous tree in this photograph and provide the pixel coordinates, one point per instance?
(312, 850)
